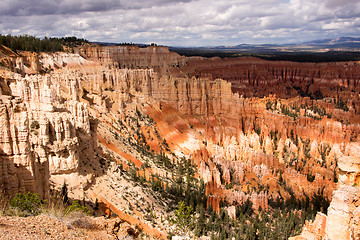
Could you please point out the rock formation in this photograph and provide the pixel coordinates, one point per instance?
(61, 112)
(39, 132)
(127, 56)
(313, 230)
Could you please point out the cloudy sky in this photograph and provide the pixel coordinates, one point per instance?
(184, 22)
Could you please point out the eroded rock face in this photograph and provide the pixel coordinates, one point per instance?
(132, 56)
(340, 213)
(313, 230)
(343, 213)
(39, 132)
(256, 77)
(342, 219)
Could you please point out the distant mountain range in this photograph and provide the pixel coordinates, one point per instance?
(324, 45)
(325, 50)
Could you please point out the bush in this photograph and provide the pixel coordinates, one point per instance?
(340, 104)
(35, 125)
(28, 205)
(77, 207)
(269, 105)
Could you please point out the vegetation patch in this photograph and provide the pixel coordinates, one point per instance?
(34, 44)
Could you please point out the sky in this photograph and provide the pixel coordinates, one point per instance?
(185, 22)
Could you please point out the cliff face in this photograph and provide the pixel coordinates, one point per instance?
(62, 114)
(40, 127)
(132, 56)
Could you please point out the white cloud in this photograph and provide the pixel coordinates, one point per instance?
(337, 25)
(190, 22)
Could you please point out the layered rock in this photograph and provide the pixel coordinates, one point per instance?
(254, 77)
(342, 219)
(39, 132)
(131, 56)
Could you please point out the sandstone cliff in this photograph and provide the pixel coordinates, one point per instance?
(39, 132)
(129, 56)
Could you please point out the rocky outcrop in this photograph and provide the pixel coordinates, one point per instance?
(343, 213)
(242, 135)
(340, 214)
(313, 230)
(342, 219)
(121, 229)
(231, 211)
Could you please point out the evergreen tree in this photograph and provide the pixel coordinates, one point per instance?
(184, 217)
(64, 194)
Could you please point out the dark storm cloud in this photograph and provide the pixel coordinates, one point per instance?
(337, 3)
(48, 7)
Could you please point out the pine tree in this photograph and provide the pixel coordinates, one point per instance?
(96, 205)
(64, 194)
(184, 217)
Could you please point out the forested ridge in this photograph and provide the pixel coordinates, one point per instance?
(35, 44)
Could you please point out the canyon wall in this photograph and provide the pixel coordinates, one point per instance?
(244, 148)
(278, 77)
(230, 123)
(127, 56)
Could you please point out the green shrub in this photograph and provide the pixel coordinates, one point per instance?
(28, 205)
(35, 125)
(340, 104)
(269, 105)
(77, 207)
